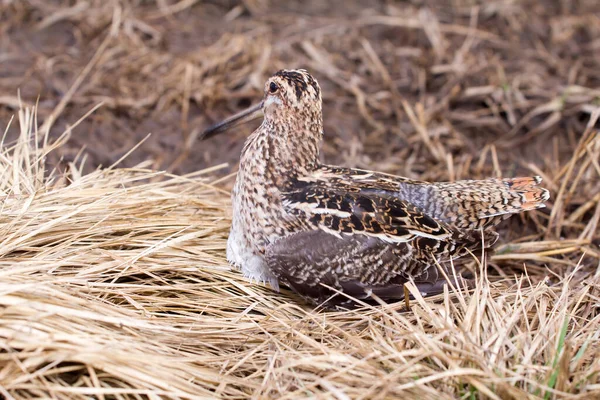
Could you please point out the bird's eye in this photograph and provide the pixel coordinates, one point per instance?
(273, 87)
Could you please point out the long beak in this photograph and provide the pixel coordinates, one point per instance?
(249, 114)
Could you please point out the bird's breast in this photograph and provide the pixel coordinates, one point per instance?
(259, 217)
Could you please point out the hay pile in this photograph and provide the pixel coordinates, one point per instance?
(114, 285)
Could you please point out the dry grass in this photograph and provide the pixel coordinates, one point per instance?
(114, 285)
(113, 282)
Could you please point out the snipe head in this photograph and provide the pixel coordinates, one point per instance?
(291, 97)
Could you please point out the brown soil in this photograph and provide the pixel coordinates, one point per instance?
(481, 76)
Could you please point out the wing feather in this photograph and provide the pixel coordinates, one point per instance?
(462, 205)
(344, 201)
(331, 207)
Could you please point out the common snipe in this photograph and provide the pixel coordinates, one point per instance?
(360, 232)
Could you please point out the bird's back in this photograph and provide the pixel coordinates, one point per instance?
(438, 218)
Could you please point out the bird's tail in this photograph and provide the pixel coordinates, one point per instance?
(472, 204)
(529, 193)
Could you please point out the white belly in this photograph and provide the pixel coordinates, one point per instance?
(241, 256)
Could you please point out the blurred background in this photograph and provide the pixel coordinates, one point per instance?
(425, 89)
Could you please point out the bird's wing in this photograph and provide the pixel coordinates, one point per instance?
(463, 205)
(339, 209)
(311, 262)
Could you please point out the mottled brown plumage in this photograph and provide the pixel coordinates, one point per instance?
(361, 232)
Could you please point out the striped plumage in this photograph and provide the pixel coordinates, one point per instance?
(311, 225)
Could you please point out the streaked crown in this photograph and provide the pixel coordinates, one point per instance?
(293, 89)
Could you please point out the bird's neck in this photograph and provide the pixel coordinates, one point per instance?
(283, 149)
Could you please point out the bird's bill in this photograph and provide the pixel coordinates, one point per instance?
(249, 114)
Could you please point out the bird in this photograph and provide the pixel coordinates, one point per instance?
(336, 235)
